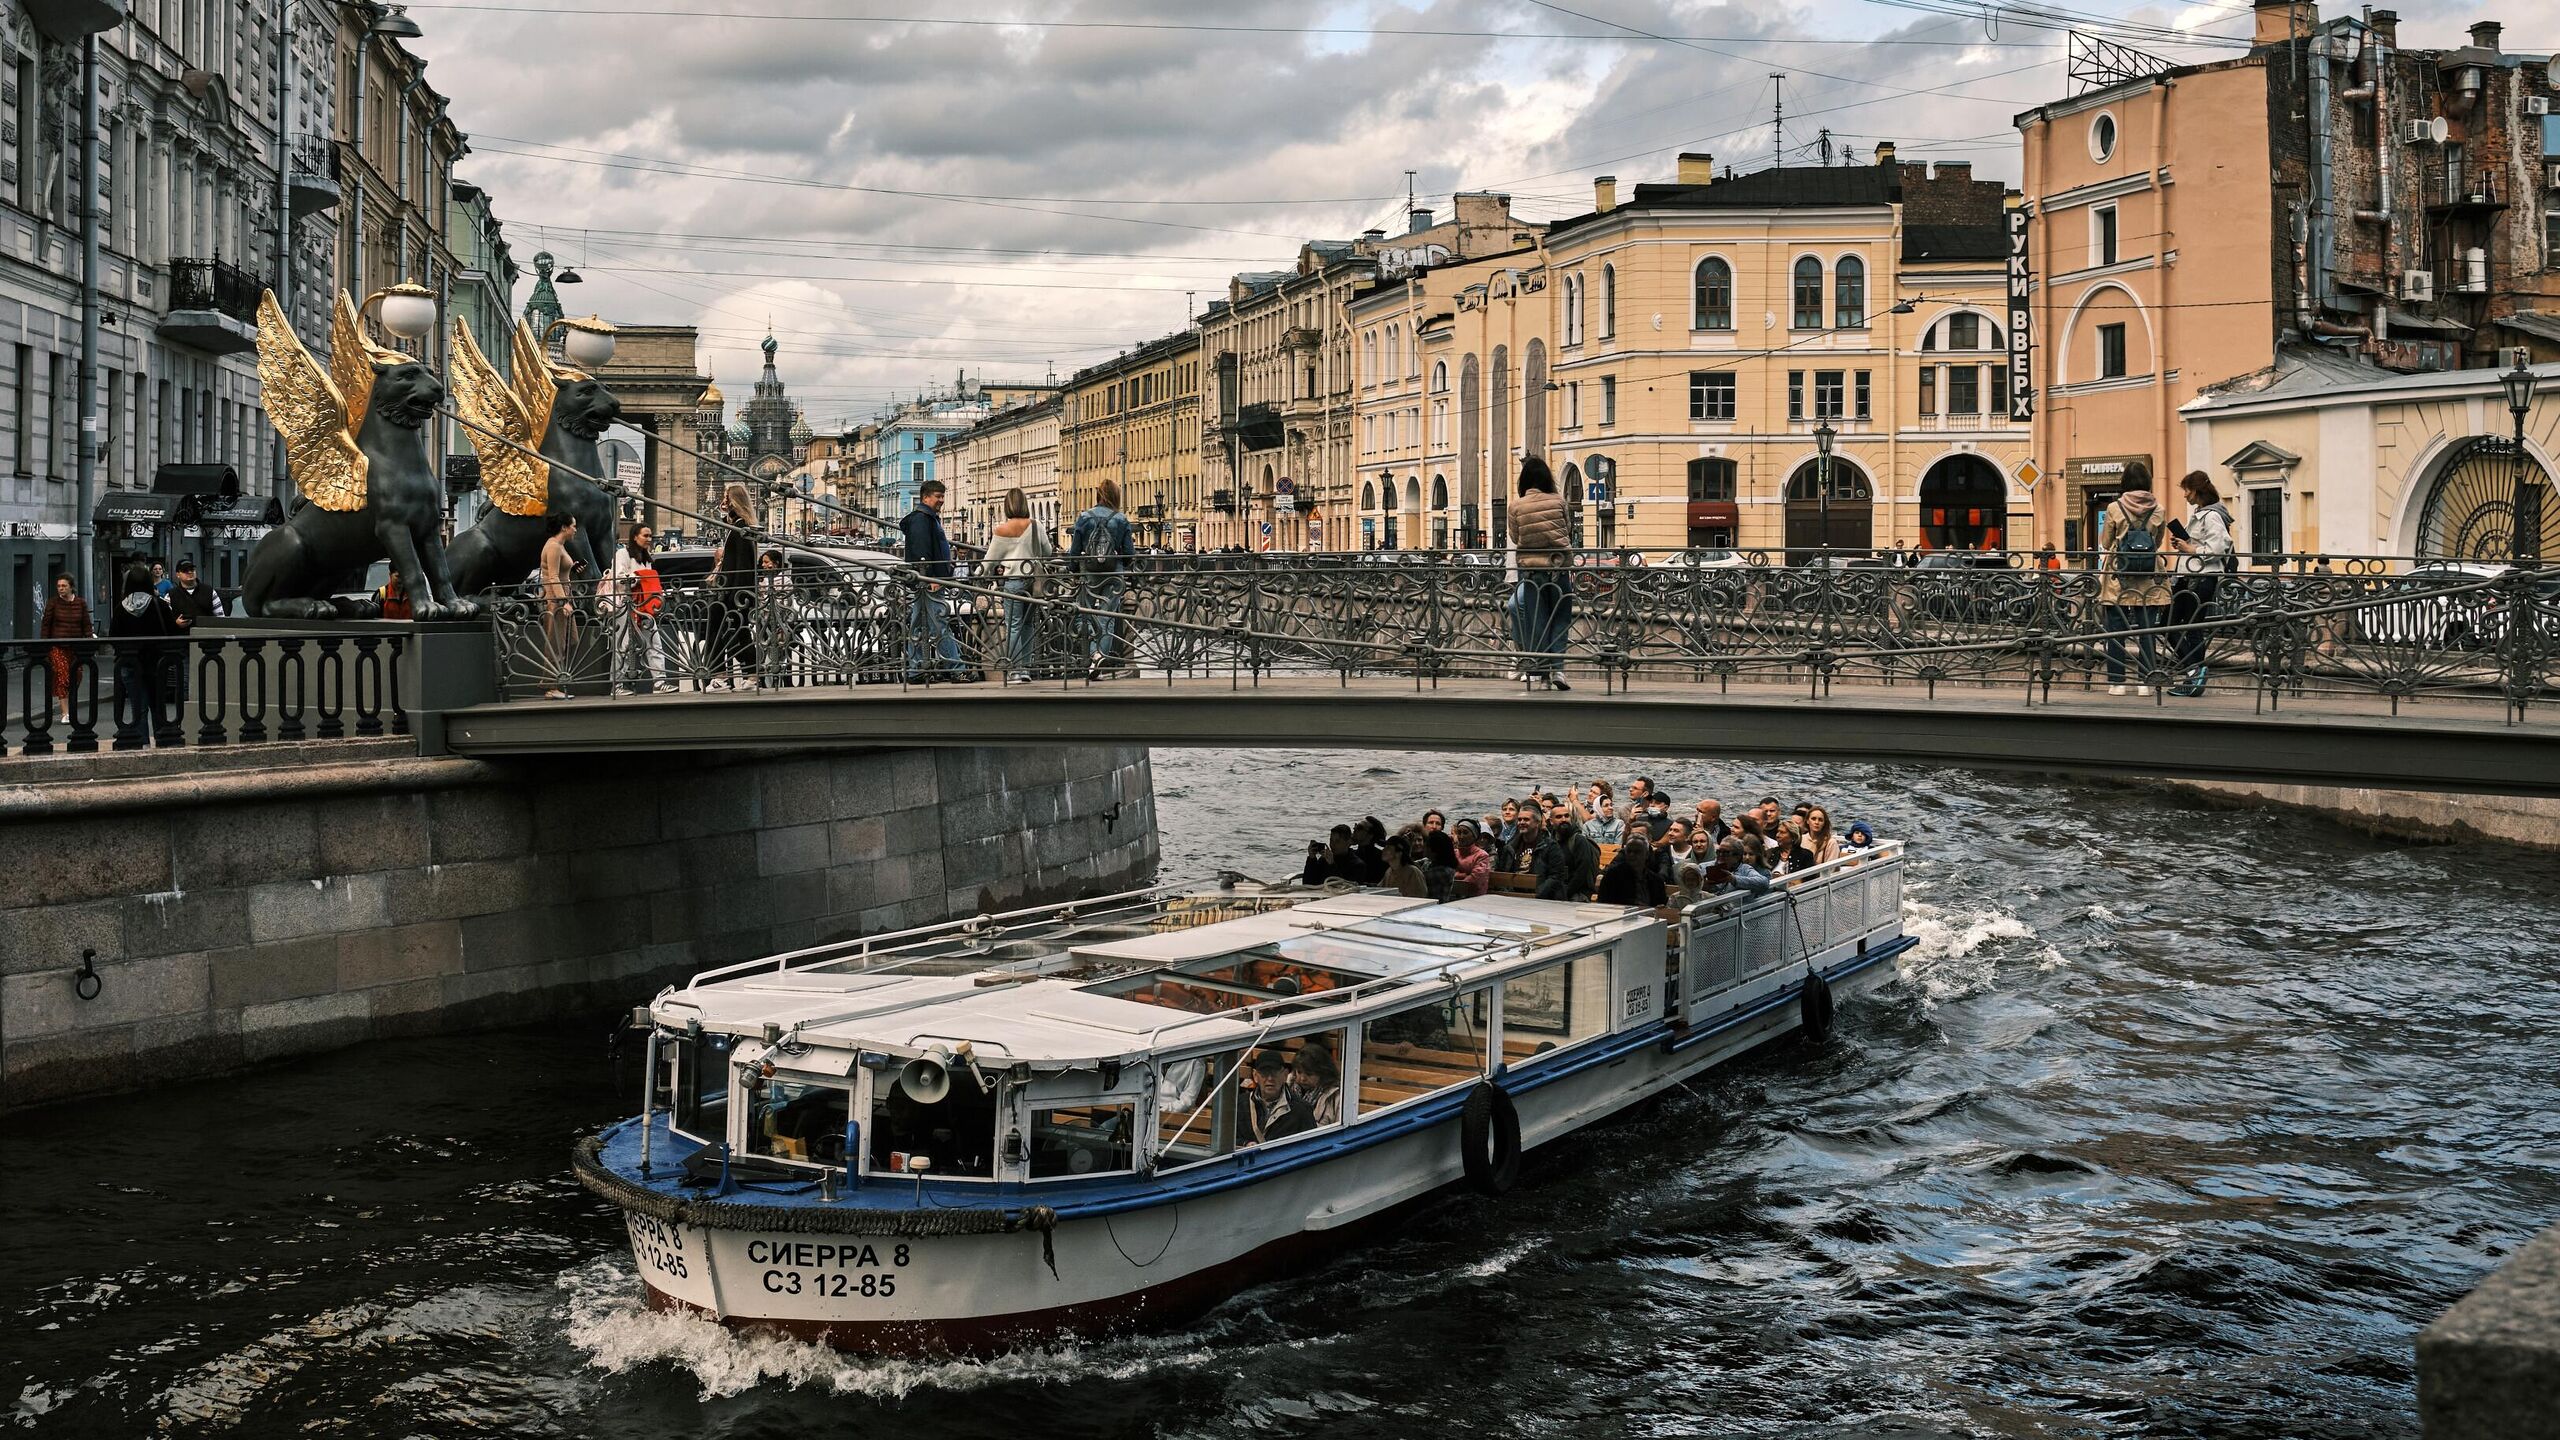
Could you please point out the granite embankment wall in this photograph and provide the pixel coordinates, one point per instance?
(245, 906)
(2405, 814)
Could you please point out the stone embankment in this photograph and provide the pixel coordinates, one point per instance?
(183, 913)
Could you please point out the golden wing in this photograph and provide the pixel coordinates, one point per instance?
(351, 362)
(309, 412)
(516, 480)
(533, 380)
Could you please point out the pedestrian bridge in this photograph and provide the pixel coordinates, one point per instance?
(2427, 680)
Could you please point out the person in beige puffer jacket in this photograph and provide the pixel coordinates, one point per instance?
(1542, 610)
(1016, 555)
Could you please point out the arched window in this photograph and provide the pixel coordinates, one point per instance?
(1440, 378)
(1712, 477)
(1413, 492)
(1368, 358)
(1608, 301)
(1808, 294)
(1395, 352)
(1368, 496)
(1573, 309)
(1849, 293)
(1712, 308)
(1439, 492)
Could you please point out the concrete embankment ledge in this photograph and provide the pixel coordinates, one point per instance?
(2489, 1368)
(171, 914)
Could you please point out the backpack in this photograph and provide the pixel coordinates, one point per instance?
(647, 591)
(1092, 545)
(2138, 551)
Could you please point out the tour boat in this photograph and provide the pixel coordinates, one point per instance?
(1114, 1113)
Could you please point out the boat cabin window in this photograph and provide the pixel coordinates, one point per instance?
(951, 1123)
(1196, 1115)
(1227, 982)
(790, 1118)
(693, 1084)
(1291, 1087)
(1551, 1008)
(1072, 1140)
(1424, 1048)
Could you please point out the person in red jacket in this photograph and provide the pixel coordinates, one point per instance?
(66, 617)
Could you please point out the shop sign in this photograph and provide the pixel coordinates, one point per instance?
(2022, 387)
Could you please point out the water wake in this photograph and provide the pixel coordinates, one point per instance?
(1957, 952)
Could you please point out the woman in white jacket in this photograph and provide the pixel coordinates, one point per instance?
(2210, 555)
(1017, 554)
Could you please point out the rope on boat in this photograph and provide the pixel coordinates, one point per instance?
(587, 1160)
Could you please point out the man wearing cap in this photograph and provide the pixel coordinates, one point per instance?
(190, 600)
(1272, 1111)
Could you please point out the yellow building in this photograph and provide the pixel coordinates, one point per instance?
(1281, 456)
(1135, 420)
(1014, 447)
(1701, 335)
(1440, 425)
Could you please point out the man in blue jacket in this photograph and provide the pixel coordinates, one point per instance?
(1099, 553)
(933, 653)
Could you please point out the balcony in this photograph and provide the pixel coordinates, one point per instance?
(313, 186)
(1223, 501)
(2476, 200)
(68, 20)
(1301, 337)
(213, 307)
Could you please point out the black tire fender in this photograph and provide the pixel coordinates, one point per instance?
(1813, 1006)
(1489, 1138)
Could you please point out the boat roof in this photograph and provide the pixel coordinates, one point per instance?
(1046, 997)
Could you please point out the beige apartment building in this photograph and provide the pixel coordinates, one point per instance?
(1015, 446)
(1135, 420)
(1279, 450)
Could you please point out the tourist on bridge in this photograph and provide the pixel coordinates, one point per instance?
(190, 600)
(559, 569)
(2133, 580)
(1099, 551)
(141, 626)
(933, 652)
(634, 595)
(1015, 557)
(733, 581)
(66, 617)
(2207, 554)
(1542, 609)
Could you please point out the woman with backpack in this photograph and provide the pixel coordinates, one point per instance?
(2204, 540)
(1542, 610)
(2133, 579)
(1099, 551)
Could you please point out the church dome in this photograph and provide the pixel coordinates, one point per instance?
(711, 398)
(742, 432)
(800, 430)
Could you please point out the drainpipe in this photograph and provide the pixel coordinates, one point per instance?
(83, 543)
(284, 203)
(2323, 177)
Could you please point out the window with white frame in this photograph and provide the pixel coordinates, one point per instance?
(1608, 301)
(1712, 395)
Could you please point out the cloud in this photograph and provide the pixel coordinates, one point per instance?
(819, 140)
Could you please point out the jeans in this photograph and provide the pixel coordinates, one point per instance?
(1102, 629)
(139, 682)
(2189, 598)
(635, 652)
(1021, 626)
(2121, 618)
(930, 643)
(1542, 616)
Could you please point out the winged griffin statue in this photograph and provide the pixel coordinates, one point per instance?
(547, 420)
(355, 438)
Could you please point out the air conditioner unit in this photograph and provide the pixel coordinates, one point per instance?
(2417, 285)
(2422, 132)
(2554, 176)
(2537, 104)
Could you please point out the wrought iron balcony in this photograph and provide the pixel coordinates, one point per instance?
(1301, 337)
(213, 307)
(1223, 501)
(313, 176)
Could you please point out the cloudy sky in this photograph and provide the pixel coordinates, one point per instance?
(1010, 187)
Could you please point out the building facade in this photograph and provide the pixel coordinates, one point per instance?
(189, 219)
(396, 145)
(1016, 447)
(483, 295)
(908, 448)
(1279, 392)
(1135, 420)
(2327, 191)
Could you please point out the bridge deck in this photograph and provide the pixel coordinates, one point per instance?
(2439, 744)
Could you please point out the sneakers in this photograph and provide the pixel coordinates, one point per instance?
(1556, 682)
(2115, 689)
(2194, 685)
(620, 691)
(715, 684)
(2141, 689)
(555, 694)
(1018, 677)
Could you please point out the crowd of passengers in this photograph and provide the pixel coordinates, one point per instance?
(1583, 846)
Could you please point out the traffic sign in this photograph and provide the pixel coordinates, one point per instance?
(2029, 474)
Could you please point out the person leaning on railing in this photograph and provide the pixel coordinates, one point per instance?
(1542, 610)
(2133, 583)
(2204, 542)
(1015, 557)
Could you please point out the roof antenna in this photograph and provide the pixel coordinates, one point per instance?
(1826, 146)
(1778, 79)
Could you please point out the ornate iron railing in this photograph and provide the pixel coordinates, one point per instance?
(78, 696)
(2312, 627)
(214, 285)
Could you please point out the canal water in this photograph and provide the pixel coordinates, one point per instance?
(2179, 1121)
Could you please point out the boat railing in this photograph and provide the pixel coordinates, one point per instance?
(893, 947)
(1733, 946)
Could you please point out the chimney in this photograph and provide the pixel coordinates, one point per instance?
(1417, 220)
(1884, 154)
(1373, 236)
(1696, 169)
(1604, 194)
(2386, 27)
(2485, 35)
(2283, 20)
(1957, 170)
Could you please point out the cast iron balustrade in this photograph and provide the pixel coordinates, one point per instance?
(2350, 627)
(240, 689)
(213, 307)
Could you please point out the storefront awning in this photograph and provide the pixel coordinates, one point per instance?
(1704, 513)
(230, 510)
(125, 508)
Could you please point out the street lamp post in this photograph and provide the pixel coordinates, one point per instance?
(1824, 437)
(2524, 504)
